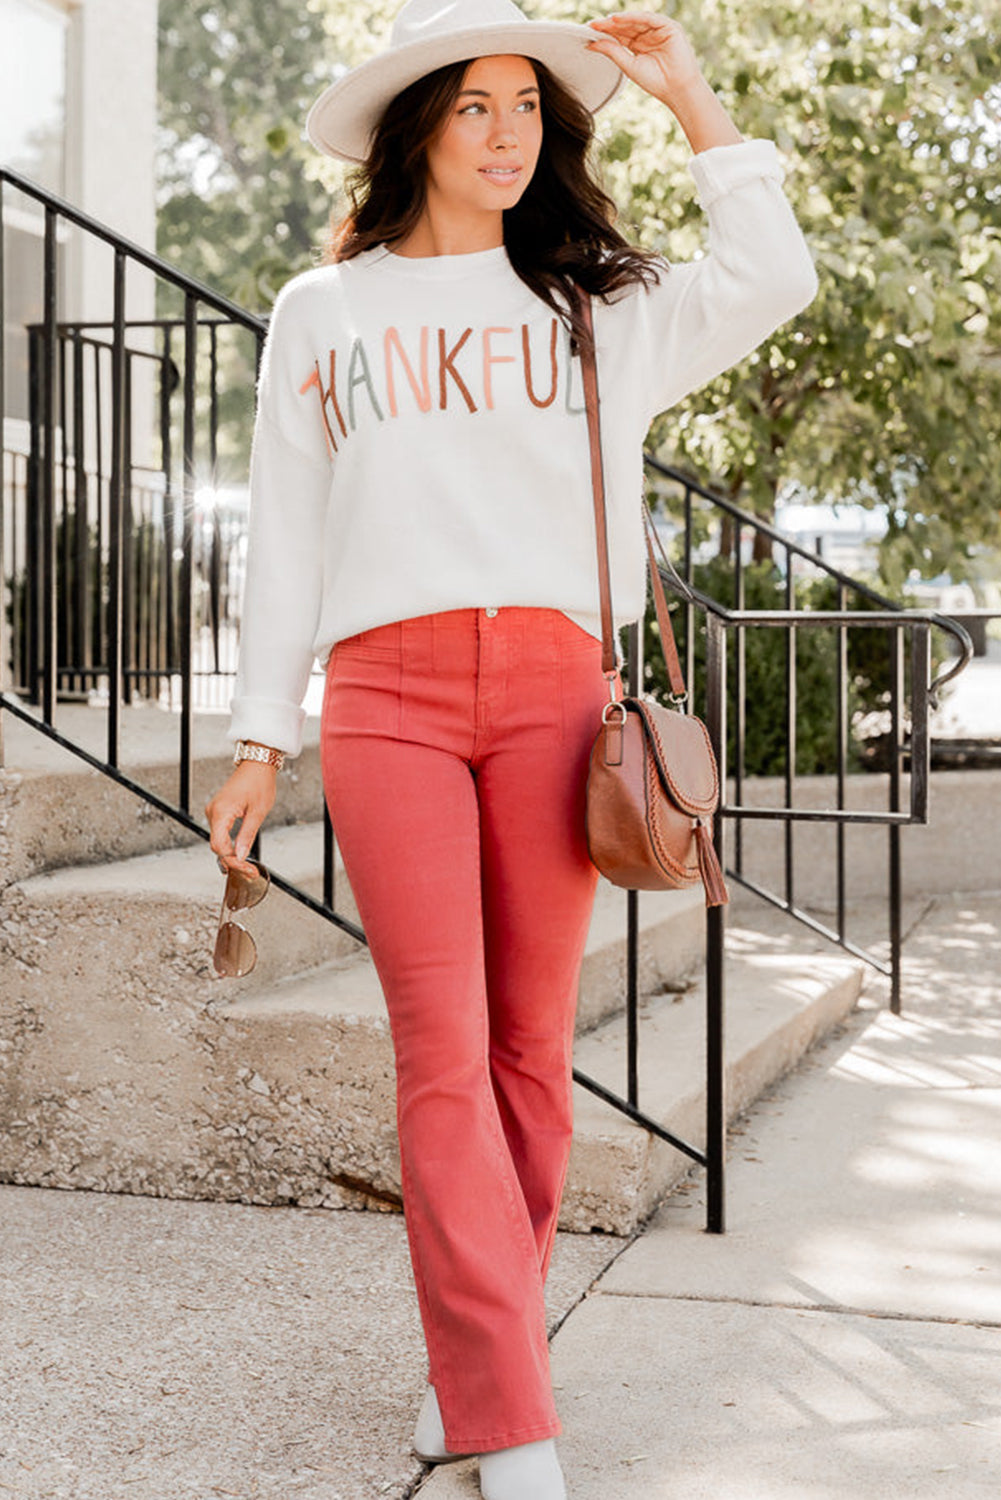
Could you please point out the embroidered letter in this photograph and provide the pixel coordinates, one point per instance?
(490, 359)
(359, 360)
(554, 368)
(329, 395)
(446, 367)
(422, 391)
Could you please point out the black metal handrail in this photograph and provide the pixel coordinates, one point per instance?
(874, 605)
(57, 479)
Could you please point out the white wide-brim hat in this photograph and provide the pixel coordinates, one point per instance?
(429, 34)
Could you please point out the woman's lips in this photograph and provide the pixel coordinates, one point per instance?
(501, 175)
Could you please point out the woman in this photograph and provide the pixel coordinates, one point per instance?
(421, 521)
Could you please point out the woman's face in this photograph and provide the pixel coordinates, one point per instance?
(483, 158)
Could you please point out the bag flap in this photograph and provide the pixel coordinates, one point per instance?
(683, 753)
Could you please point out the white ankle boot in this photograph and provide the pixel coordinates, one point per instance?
(429, 1434)
(529, 1472)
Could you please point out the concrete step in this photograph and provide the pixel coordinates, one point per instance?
(175, 894)
(159, 912)
(125, 1066)
(56, 811)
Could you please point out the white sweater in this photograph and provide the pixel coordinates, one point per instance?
(421, 442)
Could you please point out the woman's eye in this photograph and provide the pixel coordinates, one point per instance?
(468, 109)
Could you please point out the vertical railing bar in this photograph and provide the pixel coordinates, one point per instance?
(896, 753)
(715, 949)
(115, 517)
(31, 603)
(329, 861)
(790, 755)
(166, 563)
(214, 403)
(215, 545)
(130, 595)
(634, 687)
(63, 552)
(7, 543)
(689, 607)
(740, 696)
(841, 730)
(100, 512)
(167, 464)
(49, 628)
(920, 741)
(187, 546)
(81, 507)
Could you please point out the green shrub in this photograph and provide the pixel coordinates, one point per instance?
(765, 696)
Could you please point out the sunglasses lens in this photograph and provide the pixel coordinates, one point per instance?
(235, 951)
(245, 891)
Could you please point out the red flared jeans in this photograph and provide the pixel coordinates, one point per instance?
(455, 750)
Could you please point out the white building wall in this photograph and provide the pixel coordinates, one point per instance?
(106, 166)
(111, 142)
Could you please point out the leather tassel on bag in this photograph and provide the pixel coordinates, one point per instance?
(712, 875)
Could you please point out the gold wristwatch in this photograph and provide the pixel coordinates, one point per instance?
(263, 753)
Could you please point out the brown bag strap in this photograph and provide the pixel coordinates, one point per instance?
(589, 372)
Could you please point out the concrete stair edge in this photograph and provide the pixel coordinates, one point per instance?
(619, 1172)
(180, 890)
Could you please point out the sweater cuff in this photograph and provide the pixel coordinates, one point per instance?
(268, 722)
(722, 169)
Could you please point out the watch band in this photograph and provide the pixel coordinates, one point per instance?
(263, 753)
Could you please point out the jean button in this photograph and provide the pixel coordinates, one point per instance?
(491, 614)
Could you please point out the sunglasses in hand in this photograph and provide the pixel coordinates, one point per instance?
(235, 950)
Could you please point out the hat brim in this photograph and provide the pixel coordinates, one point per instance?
(343, 120)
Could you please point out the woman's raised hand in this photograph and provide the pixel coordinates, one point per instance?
(651, 50)
(656, 54)
(249, 794)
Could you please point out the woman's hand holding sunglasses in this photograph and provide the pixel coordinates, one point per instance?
(246, 797)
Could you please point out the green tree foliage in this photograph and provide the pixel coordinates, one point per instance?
(887, 390)
(241, 205)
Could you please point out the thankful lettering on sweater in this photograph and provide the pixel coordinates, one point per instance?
(440, 371)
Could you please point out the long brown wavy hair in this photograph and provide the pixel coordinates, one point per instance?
(560, 234)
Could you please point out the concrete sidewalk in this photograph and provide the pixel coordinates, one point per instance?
(842, 1340)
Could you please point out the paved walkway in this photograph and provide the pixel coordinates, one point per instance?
(841, 1341)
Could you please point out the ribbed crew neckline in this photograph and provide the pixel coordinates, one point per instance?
(441, 267)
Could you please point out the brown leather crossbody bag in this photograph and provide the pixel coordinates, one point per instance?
(653, 784)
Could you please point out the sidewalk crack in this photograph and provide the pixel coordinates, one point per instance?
(844, 1309)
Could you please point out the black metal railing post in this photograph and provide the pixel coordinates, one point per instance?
(6, 560)
(116, 511)
(80, 647)
(896, 761)
(791, 738)
(187, 545)
(841, 772)
(634, 686)
(715, 946)
(48, 494)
